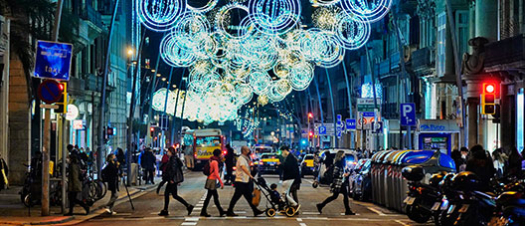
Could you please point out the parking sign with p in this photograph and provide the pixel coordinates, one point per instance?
(408, 114)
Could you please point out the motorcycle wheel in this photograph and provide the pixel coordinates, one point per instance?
(27, 200)
(416, 213)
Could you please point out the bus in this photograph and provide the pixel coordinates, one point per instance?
(202, 143)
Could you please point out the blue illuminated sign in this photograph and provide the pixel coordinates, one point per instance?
(408, 114)
(350, 124)
(322, 130)
(53, 60)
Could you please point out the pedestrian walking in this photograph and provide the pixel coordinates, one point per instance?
(339, 184)
(229, 161)
(458, 160)
(75, 185)
(499, 163)
(242, 183)
(110, 174)
(515, 163)
(148, 165)
(163, 165)
(291, 175)
(175, 177)
(211, 184)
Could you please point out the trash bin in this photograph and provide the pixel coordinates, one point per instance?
(390, 188)
(397, 180)
(374, 172)
(383, 174)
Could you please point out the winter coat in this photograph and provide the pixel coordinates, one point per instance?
(338, 180)
(3, 166)
(290, 168)
(74, 178)
(174, 170)
(112, 176)
(148, 160)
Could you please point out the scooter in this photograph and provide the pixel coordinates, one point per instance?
(422, 198)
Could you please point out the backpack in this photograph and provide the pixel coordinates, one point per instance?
(206, 170)
(104, 174)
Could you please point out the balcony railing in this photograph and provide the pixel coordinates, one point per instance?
(91, 15)
(507, 51)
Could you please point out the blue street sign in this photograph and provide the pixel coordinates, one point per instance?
(339, 131)
(339, 118)
(322, 130)
(378, 127)
(53, 60)
(350, 124)
(50, 91)
(408, 114)
(368, 114)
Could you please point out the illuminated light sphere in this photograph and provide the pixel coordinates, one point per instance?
(325, 18)
(324, 2)
(159, 100)
(262, 100)
(174, 55)
(223, 19)
(202, 9)
(328, 50)
(159, 15)
(352, 31)
(260, 81)
(190, 26)
(372, 10)
(301, 76)
(275, 16)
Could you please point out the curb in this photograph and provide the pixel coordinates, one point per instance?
(67, 219)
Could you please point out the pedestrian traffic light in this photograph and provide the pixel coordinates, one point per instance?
(488, 99)
(62, 102)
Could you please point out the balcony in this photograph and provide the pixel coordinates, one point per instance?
(505, 54)
(422, 61)
(91, 15)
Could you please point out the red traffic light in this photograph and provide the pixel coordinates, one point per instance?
(310, 115)
(311, 134)
(152, 129)
(489, 88)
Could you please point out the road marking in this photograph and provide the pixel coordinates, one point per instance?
(400, 222)
(317, 218)
(309, 181)
(197, 208)
(302, 224)
(310, 213)
(199, 205)
(188, 223)
(191, 219)
(299, 219)
(376, 211)
(356, 214)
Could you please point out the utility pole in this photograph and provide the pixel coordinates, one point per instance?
(134, 79)
(336, 142)
(352, 145)
(101, 143)
(47, 129)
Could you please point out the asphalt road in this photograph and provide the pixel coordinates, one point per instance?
(192, 190)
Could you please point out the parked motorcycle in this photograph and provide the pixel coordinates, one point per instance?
(510, 206)
(422, 198)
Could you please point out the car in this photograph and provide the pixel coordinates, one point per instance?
(262, 149)
(268, 163)
(307, 165)
(362, 186)
(354, 173)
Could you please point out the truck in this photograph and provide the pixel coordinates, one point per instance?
(202, 143)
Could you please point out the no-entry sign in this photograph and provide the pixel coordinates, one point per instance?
(50, 91)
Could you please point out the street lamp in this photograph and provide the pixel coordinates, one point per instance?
(130, 52)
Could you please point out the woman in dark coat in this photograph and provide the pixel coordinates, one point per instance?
(339, 185)
(75, 185)
(482, 166)
(174, 176)
(111, 175)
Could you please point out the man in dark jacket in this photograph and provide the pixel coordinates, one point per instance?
(148, 165)
(174, 176)
(75, 185)
(111, 175)
(290, 171)
(230, 155)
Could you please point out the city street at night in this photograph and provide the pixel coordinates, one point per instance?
(271, 112)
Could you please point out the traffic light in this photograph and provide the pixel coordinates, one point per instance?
(152, 131)
(488, 99)
(310, 115)
(310, 134)
(62, 102)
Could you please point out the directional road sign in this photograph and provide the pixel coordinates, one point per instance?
(350, 124)
(408, 114)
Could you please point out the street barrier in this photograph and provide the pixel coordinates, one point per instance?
(389, 188)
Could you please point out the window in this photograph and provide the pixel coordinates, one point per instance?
(462, 30)
(441, 43)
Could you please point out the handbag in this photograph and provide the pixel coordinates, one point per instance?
(256, 200)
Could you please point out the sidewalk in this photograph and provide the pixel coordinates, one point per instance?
(13, 212)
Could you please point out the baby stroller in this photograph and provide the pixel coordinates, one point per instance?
(273, 205)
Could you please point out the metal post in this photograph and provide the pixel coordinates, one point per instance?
(45, 161)
(134, 79)
(183, 105)
(349, 103)
(175, 110)
(459, 84)
(101, 143)
(336, 142)
(64, 162)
